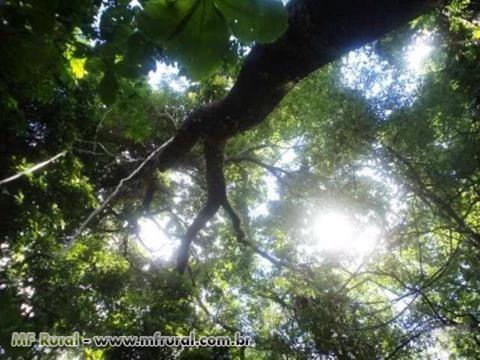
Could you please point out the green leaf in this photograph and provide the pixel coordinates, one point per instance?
(192, 31)
(94, 64)
(203, 42)
(78, 67)
(82, 50)
(108, 88)
(476, 34)
(128, 70)
(42, 22)
(138, 59)
(262, 21)
(162, 19)
(196, 33)
(139, 48)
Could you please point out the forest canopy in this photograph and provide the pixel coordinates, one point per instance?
(305, 173)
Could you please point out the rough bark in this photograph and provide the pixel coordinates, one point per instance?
(319, 32)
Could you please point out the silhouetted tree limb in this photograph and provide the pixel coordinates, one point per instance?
(319, 32)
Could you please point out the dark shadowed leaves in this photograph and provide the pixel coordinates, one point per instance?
(197, 32)
(108, 88)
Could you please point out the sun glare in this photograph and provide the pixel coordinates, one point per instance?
(336, 232)
(333, 232)
(418, 51)
(167, 76)
(154, 240)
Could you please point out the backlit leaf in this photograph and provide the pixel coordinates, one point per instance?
(262, 21)
(203, 42)
(78, 67)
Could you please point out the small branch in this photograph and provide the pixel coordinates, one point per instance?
(150, 191)
(241, 239)
(209, 210)
(104, 204)
(405, 342)
(237, 224)
(429, 196)
(214, 318)
(353, 276)
(274, 170)
(432, 307)
(33, 168)
(267, 256)
(95, 143)
(252, 149)
(168, 116)
(100, 124)
(205, 309)
(139, 238)
(391, 320)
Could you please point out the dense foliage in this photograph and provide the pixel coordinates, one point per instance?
(391, 152)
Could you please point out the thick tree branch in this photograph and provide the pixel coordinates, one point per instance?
(216, 196)
(208, 211)
(105, 203)
(319, 32)
(236, 223)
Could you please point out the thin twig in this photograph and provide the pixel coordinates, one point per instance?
(33, 168)
(104, 204)
(97, 130)
(95, 143)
